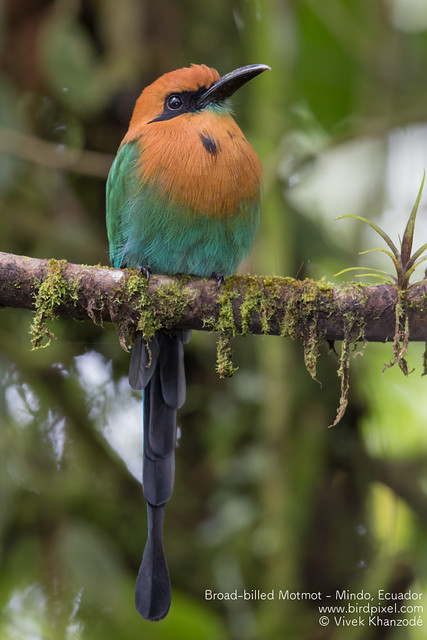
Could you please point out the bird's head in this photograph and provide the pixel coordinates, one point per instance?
(188, 90)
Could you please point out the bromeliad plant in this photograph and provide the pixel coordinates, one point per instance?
(405, 263)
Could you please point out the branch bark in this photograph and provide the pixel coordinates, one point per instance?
(256, 304)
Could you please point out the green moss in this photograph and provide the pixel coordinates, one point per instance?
(260, 298)
(224, 356)
(311, 346)
(311, 337)
(300, 318)
(159, 309)
(226, 329)
(53, 291)
(289, 325)
(162, 308)
(296, 318)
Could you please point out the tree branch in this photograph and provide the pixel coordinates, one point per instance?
(273, 305)
(27, 147)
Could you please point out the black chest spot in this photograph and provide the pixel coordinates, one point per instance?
(211, 145)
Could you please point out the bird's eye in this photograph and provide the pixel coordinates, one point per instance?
(174, 102)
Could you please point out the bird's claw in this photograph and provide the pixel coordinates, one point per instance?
(219, 277)
(145, 271)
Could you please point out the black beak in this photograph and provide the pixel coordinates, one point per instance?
(228, 84)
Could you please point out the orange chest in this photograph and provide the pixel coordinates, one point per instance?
(201, 161)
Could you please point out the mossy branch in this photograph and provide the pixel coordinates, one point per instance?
(292, 308)
(310, 311)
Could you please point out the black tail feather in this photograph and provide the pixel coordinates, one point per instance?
(143, 362)
(153, 589)
(159, 369)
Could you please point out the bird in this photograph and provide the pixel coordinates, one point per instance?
(182, 196)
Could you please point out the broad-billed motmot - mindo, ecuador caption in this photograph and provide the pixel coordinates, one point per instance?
(183, 196)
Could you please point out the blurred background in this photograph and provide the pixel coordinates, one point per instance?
(266, 496)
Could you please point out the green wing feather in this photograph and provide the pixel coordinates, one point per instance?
(122, 188)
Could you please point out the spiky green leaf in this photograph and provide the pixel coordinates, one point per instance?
(410, 271)
(416, 255)
(408, 236)
(378, 230)
(368, 271)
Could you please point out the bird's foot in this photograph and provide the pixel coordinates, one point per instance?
(219, 277)
(145, 271)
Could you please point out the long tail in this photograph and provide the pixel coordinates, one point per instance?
(158, 369)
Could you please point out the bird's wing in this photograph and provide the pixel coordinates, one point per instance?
(123, 186)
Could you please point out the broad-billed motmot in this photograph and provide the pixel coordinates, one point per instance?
(182, 197)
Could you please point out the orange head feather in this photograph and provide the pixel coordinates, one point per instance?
(191, 148)
(150, 102)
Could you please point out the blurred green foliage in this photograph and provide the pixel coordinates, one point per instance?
(266, 496)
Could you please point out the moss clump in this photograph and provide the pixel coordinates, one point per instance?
(53, 291)
(224, 356)
(225, 326)
(159, 309)
(260, 298)
(300, 318)
(297, 317)
(290, 322)
(133, 292)
(170, 300)
(311, 337)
